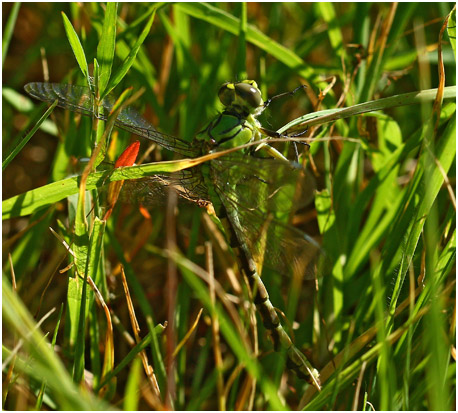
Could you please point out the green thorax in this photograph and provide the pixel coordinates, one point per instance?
(237, 124)
(228, 130)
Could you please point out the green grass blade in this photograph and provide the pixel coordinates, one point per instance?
(79, 301)
(395, 20)
(240, 64)
(331, 115)
(28, 202)
(129, 60)
(9, 29)
(89, 255)
(328, 13)
(413, 219)
(132, 394)
(451, 30)
(43, 363)
(142, 345)
(27, 137)
(106, 47)
(230, 23)
(77, 48)
(39, 402)
(227, 329)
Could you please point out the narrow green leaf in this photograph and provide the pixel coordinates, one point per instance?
(227, 329)
(331, 115)
(142, 345)
(43, 363)
(325, 214)
(26, 203)
(76, 47)
(128, 61)
(81, 296)
(335, 35)
(412, 218)
(9, 28)
(106, 47)
(39, 402)
(27, 137)
(451, 30)
(132, 395)
(230, 23)
(240, 63)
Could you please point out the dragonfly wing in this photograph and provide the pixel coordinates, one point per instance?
(129, 119)
(75, 98)
(79, 99)
(152, 190)
(261, 192)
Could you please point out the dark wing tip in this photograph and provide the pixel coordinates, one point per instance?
(28, 87)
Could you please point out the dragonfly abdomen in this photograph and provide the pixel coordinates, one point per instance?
(281, 340)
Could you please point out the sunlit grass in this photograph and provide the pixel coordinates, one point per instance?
(378, 322)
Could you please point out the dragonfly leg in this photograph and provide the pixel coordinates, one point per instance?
(269, 101)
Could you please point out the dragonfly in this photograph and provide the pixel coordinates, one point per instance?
(251, 190)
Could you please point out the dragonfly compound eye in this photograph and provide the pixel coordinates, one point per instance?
(226, 94)
(249, 93)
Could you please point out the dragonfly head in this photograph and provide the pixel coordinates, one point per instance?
(242, 98)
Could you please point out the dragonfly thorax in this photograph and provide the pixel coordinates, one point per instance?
(227, 131)
(237, 124)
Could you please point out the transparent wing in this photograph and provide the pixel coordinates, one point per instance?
(152, 190)
(261, 194)
(79, 99)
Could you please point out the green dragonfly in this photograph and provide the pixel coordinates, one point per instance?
(251, 190)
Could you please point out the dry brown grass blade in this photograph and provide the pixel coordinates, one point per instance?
(108, 359)
(136, 329)
(215, 330)
(188, 334)
(441, 72)
(222, 251)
